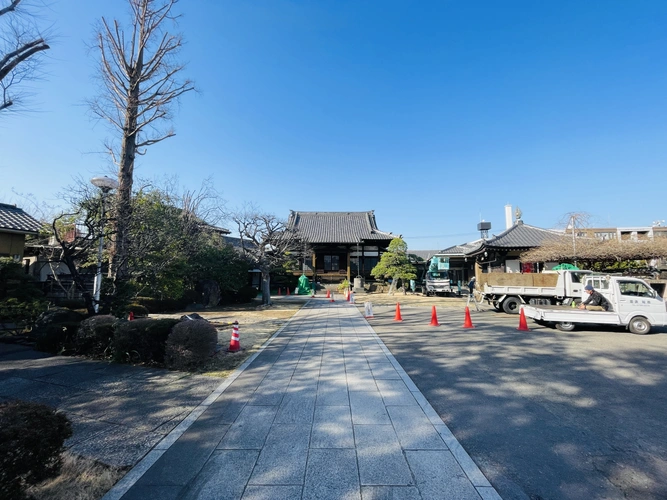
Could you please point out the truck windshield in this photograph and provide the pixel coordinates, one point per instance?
(435, 275)
(635, 288)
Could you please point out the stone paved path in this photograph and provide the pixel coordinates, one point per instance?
(323, 411)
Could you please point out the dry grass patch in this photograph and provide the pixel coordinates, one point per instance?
(80, 479)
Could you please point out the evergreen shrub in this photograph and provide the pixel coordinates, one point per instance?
(190, 344)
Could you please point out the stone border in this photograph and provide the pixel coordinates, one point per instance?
(134, 474)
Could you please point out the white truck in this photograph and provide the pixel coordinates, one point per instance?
(634, 304)
(436, 278)
(507, 291)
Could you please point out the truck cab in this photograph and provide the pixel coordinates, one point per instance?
(436, 278)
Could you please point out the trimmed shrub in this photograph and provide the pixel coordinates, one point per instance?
(344, 285)
(55, 337)
(31, 442)
(94, 335)
(190, 344)
(71, 303)
(155, 306)
(142, 340)
(138, 310)
(247, 293)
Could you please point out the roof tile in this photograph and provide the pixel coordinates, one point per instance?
(15, 219)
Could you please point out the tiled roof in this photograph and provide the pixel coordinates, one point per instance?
(521, 235)
(337, 227)
(462, 249)
(14, 219)
(424, 254)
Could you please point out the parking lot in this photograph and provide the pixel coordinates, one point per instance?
(545, 414)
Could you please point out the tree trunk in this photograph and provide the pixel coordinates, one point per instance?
(266, 288)
(125, 178)
(78, 280)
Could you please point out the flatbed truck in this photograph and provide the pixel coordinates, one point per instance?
(634, 305)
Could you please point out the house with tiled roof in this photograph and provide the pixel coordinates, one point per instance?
(499, 253)
(15, 224)
(342, 245)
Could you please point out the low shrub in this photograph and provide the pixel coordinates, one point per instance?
(55, 337)
(142, 340)
(31, 442)
(345, 285)
(155, 306)
(71, 303)
(190, 344)
(138, 310)
(94, 335)
(247, 293)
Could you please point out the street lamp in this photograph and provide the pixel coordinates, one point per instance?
(105, 184)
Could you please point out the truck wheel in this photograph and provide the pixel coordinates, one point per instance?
(639, 326)
(565, 326)
(511, 305)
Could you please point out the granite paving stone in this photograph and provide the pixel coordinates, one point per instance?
(186, 457)
(395, 393)
(283, 457)
(332, 428)
(381, 460)
(253, 492)
(332, 474)
(368, 408)
(438, 475)
(250, 428)
(224, 477)
(414, 430)
(296, 408)
(390, 493)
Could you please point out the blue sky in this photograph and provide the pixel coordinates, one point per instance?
(433, 114)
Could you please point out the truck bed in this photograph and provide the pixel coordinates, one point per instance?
(558, 314)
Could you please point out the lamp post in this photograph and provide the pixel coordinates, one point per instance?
(105, 184)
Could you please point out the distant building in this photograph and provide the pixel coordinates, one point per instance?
(343, 244)
(637, 233)
(15, 224)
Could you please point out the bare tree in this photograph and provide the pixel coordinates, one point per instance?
(268, 242)
(20, 46)
(140, 83)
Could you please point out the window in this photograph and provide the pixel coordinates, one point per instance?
(635, 289)
(331, 262)
(599, 283)
(605, 235)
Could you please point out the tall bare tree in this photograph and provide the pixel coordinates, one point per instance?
(268, 242)
(141, 80)
(20, 46)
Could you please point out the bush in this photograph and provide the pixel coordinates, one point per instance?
(56, 337)
(71, 303)
(345, 285)
(142, 340)
(247, 293)
(94, 335)
(31, 441)
(190, 344)
(155, 306)
(139, 310)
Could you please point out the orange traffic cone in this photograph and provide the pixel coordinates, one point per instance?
(332, 298)
(398, 313)
(468, 321)
(131, 316)
(434, 318)
(328, 293)
(347, 295)
(523, 326)
(287, 290)
(234, 344)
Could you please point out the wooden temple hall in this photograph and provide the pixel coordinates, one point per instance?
(343, 245)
